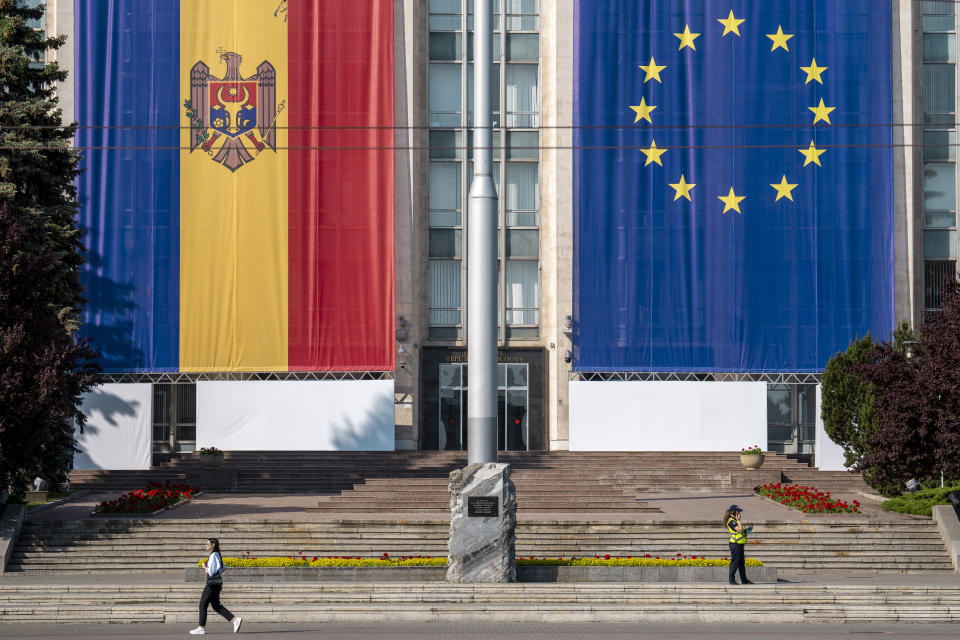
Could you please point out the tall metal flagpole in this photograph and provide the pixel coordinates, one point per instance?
(482, 257)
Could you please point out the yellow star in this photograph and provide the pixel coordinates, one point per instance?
(779, 39)
(731, 24)
(653, 70)
(643, 111)
(812, 155)
(822, 112)
(687, 38)
(784, 189)
(682, 188)
(732, 201)
(653, 154)
(813, 72)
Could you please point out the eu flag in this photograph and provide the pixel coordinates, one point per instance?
(733, 182)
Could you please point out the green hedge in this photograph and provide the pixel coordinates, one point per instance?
(442, 562)
(920, 503)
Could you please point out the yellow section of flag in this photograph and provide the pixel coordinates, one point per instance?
(233, 186)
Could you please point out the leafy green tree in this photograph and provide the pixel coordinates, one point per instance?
(847, 402)
(44, 370)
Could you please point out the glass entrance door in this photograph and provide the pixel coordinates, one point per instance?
(791, 419)
(513, 407)
(174, 417)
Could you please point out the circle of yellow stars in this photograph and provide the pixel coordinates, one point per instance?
(687, 40)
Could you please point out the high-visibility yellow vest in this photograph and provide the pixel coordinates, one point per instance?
(736, 536)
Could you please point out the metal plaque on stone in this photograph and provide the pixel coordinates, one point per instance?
(483, 507)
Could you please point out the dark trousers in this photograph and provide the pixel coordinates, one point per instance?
(737, 561)
(211, 596)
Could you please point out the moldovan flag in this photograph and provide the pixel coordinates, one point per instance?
(238, 189)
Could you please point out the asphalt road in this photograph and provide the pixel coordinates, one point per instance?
(498, 631)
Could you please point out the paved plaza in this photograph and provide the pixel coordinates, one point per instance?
(273, 506)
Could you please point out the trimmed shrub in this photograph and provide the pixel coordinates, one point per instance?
(920, 503)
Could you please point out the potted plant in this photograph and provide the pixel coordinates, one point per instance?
(751, 457)
(211, 457)
(39, 492)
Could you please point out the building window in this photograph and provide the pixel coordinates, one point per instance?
(938, 87)
(934, 271)
(515, 93)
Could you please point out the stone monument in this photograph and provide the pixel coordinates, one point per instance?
(483, 517)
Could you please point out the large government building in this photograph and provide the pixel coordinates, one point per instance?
(699, 202)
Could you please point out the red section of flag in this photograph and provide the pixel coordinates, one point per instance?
(341, 185)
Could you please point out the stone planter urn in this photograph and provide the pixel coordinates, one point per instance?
(208, 460)
(751, 461)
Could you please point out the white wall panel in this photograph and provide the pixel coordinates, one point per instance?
(118, 431)
(296, 415)
(667, 416)
(829, 455)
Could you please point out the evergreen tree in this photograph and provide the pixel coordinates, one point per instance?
(43, 369)
(847, 403)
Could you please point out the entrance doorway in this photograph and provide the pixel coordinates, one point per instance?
(513, 407)
(792, 420)
(520, 403)
(174, 419)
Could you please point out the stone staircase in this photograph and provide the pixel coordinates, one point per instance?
(441, 602)
(396, 482)
(135, 545)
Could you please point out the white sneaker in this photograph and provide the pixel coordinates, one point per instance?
(236, 624)
(199, 631)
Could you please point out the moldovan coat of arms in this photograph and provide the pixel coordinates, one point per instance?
(230, 112)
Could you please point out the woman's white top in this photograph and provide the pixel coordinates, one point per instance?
(214, 564)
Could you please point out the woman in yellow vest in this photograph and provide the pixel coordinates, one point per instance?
(738, 538)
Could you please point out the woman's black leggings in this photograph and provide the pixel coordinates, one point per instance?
(737, 561)
(211, 596)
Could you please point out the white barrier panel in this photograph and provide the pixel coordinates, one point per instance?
(667, 416)
(118, 430)
(828, 454)
(296, 415)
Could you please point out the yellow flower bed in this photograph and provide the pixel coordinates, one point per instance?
(442, 562)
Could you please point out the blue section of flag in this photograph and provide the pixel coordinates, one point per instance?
(671, 285)
(126, 95)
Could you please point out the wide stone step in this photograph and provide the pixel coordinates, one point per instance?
(808, 532)
(560, 502)
(507, 603)
(524, 528)
(678, 544)
(79, 546)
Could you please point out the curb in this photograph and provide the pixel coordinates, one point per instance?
(525, 574)
(949, 527)
(10, 526)
(80, 493)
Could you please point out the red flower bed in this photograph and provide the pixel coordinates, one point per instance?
(807, 499)
(155, 497)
